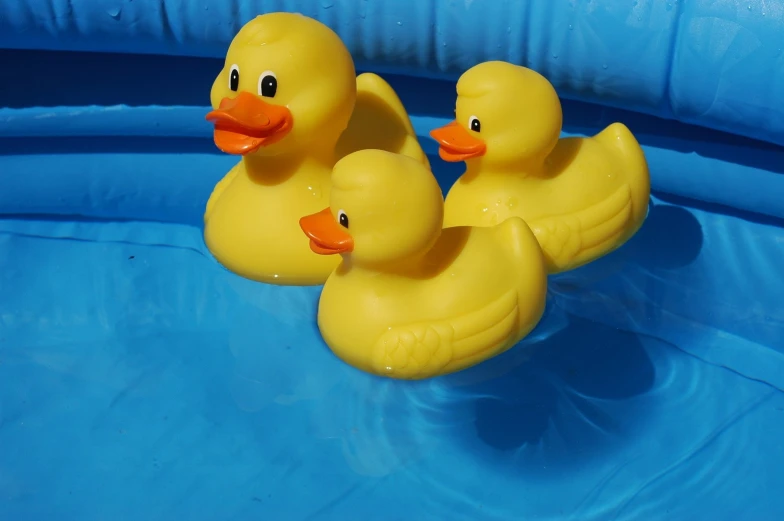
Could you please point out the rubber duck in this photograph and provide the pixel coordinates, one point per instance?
(582, 197)
(410, 299)
(289, 102)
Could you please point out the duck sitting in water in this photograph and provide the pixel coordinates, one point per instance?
(412, 300)
(582, 197)
(289, 102)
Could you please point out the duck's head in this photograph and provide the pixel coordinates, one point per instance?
(288, 84)
(505, 115)
(385, 210)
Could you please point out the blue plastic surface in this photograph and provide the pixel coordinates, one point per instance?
(140, 380)
(716, 63)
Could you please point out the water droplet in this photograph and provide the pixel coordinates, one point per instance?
(669, 7)
(115, 12)
(555, 56)
(639, 18)
(604, 66)
(326, 4)
(749, 7)
(508, 30)
(400, 23)
(570, 27)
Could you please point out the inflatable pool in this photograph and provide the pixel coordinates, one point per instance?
(141, 380)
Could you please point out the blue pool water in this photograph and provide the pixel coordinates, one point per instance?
(140, 380)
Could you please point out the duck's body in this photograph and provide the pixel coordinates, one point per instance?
(251, 223)
(455, 298)
(586, 199)
(289, 103)
(582, 197)
(444, 315)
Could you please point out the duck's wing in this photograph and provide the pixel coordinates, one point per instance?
(379, 121)
(422, 350)
(569, 241)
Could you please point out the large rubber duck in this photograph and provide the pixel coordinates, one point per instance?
(288, 101)
(411, 300)
(582, 197)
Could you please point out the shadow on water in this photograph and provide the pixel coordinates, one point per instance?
(670, 238)
(562, 397)
(569, 393)
(569, 401)
(572, 391)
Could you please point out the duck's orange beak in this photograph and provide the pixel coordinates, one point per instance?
(246, 123)
(456, 143)
(327, 237)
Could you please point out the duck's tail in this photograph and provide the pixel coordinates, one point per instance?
(516, 236)
(618, 139)
(379, 121)
(525, 252)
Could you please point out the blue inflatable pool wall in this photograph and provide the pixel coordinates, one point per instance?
(717, 65)
(140, 380)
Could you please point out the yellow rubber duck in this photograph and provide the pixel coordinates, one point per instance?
(411, 300)
(582, 197)
(289, 102)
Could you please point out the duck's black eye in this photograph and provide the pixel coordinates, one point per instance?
(268, 84)
(234, 78)
(474, 123)
(343, 219)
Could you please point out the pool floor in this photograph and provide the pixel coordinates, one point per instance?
(140, 380)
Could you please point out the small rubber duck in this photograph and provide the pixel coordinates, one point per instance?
(582, 197)
(289, 102)
(410, 299)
